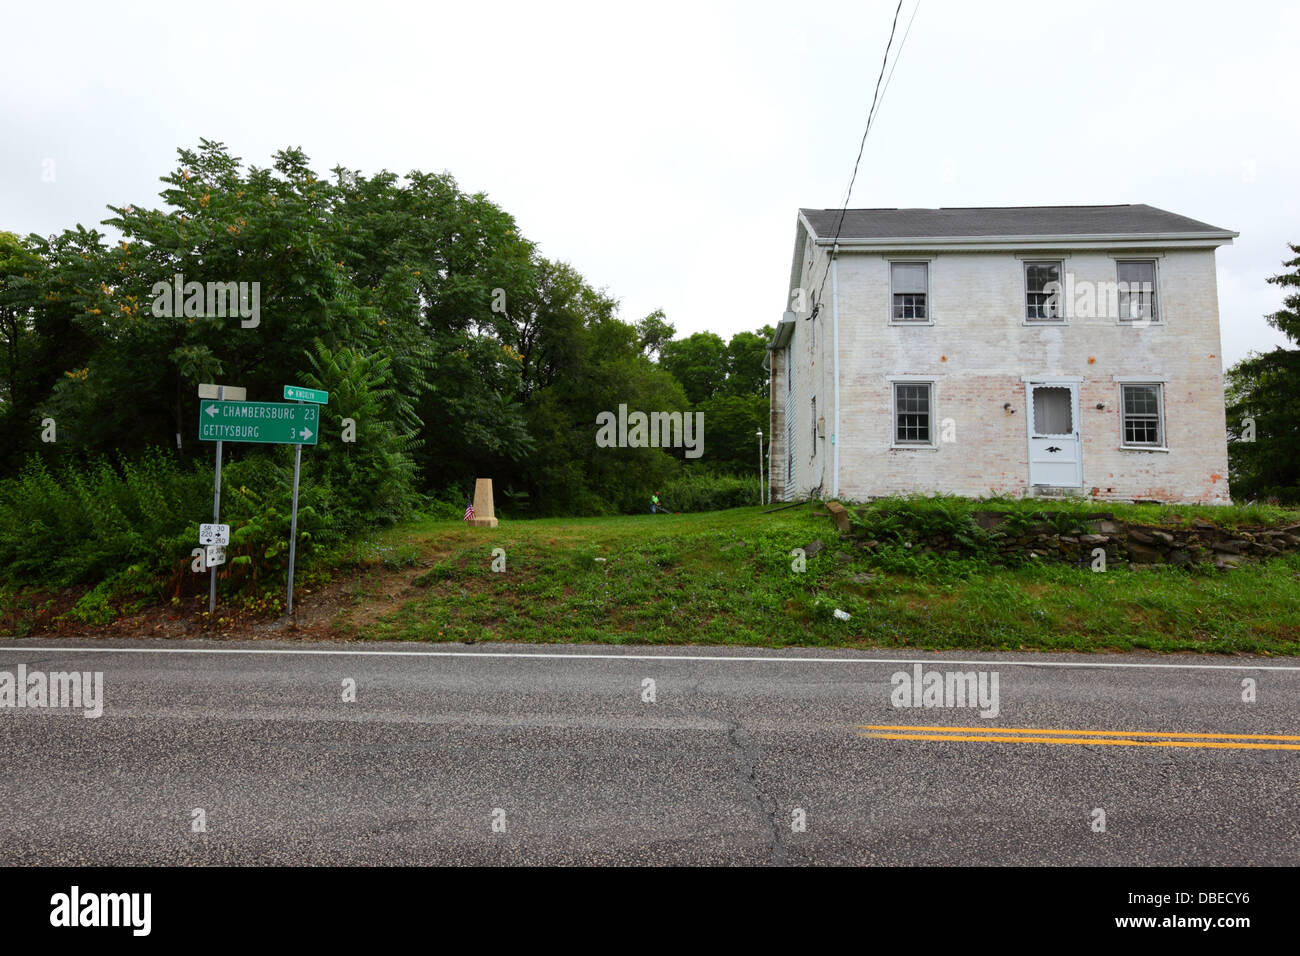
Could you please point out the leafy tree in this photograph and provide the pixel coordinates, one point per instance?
(25, 372)
(747, 362)
(653, 332)
(604, 367)
(456, 349)
(730, 425)
(372, 472)
(699, 362)
(19, 269)
(1263, 412)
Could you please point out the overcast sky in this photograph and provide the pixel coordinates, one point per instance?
(663, 149)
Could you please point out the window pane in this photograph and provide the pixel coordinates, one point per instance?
(1038, 274)
(912, 410)
(1141, 432)
(909, 277)
(1137, 285)
(909, 307)
(1141, 400)
(1052, 412)
(1138, 272)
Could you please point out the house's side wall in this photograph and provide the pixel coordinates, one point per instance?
(978, 351)
(809, 351)
(777, 449)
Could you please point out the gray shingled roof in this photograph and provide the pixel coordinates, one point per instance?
(997, 221)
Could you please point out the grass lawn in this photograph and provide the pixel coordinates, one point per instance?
(726, 578)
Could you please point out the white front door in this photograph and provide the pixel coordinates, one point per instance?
(1054, 459)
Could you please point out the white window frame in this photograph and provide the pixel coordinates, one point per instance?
(1159, 386)
(933, 442)
(1157, 310)
(929, 298)
(1063, 318)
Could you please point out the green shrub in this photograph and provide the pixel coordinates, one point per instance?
(94, 606)
(89, 521)
(703, 491)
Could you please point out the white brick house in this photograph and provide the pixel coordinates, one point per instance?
(1022, 351)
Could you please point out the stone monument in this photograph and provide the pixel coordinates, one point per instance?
(485, 515)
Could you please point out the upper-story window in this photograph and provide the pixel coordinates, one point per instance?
(910, 284)
(1137, 290)
(1043, 295)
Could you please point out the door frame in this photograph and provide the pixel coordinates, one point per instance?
(1075, 385)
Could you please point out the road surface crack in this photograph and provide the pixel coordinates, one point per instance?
(747, 755)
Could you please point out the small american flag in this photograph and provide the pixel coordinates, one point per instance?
(469, 510)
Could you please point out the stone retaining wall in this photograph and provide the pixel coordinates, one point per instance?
(1200, 543)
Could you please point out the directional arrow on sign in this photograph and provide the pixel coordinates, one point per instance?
(306, 394)
(305, 433)
(212, 411)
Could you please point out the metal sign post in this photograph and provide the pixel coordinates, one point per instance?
(293, 527)
(222, 393)
(318, 398)
(216, 518)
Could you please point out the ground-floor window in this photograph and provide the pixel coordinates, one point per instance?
(1143, 415)
(913, 412)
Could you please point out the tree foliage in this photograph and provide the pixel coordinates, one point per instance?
(451, 346)
(1263, 393)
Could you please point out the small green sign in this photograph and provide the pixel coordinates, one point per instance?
(294, 393)
(263, 423)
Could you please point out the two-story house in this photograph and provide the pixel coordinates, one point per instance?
(1042, 350)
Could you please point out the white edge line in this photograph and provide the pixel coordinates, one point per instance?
(36, 648)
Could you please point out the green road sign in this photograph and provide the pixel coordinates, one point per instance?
(265, 423)
(294, 393)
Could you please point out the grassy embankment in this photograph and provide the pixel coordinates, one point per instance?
(726, 578)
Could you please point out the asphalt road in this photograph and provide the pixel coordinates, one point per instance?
(504, 754)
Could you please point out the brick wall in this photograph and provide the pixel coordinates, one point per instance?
(978, 351)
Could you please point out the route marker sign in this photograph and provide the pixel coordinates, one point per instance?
(216, 555)
(214, 534)
(262, 423)
(296, 393)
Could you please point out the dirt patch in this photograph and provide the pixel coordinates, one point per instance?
(342, 607)
(381, 592)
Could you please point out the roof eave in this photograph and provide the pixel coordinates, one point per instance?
(1101, 240)
(781, 337)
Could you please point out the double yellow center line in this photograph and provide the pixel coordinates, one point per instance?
(1111, 738)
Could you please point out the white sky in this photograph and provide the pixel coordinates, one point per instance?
(663, 149)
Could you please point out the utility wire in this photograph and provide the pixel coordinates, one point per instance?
(898, 56)
(871, 115)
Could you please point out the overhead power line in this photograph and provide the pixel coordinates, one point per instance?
(877, 98)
